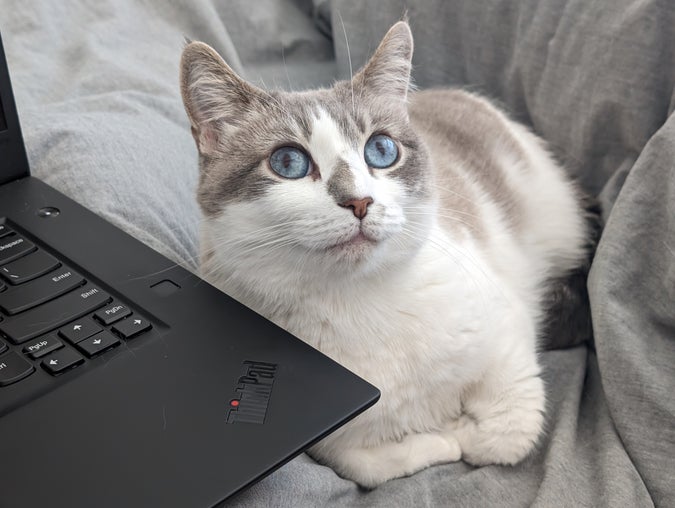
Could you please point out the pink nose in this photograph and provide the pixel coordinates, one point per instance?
(358, 206)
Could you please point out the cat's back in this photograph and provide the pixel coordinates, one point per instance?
(493, 175)
(458, 116)
(466, 132)
(475, 152)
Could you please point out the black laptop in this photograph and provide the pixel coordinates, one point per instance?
(124, 379)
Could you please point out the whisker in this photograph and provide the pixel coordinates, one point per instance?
(445, 209)
(349, 58)
(670, 249)
(254, 236)
(468, 225)
(273, 101)
(188, 264)
(455, 193)
(262, 245)
(444, 250)
(283, 57)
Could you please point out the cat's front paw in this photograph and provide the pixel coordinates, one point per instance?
(483, 444)
(502, 431)
(370, 467)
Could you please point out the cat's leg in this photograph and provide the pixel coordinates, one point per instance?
(503, 414)
(372, 466)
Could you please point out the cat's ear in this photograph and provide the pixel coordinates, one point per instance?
(214, 96)
(388, 70)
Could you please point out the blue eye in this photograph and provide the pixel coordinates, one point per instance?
(290, 162)
(380, 152)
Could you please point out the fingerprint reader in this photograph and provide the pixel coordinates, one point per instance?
(165, 287)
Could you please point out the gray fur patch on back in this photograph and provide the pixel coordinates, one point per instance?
(464, 135)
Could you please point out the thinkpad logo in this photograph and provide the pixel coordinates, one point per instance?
(254, 389)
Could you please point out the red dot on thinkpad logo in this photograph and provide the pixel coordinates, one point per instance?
(234, 403)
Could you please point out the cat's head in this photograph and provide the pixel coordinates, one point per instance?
(332, 179)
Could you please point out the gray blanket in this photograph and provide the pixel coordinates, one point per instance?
(97, 92)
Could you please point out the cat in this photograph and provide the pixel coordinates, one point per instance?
(407, 235)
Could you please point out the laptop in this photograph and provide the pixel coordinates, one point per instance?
(125, 380)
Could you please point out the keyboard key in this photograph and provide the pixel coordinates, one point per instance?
(112, 313)
(4, 230)
(38, 291)
(130, 328)
(79, 330)
(13, 247)
(13, 368)
(40, 347)
(98, 343)
(61, 360)
(54, 314)
(29, 267)
(3, 347)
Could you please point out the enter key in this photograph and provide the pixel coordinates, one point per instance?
(26, 296)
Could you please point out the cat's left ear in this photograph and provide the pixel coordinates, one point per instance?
(387, 73)
(215, 97)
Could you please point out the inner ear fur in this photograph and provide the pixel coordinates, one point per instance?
(388, 70)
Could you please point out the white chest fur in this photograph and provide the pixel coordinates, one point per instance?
(421, 334)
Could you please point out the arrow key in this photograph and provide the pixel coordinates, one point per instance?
(61, 360)
(79, 330)
(131, 327)
(97, 344)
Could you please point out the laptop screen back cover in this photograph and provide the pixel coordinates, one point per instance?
(13, 162)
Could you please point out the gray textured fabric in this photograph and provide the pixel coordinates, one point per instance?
(96, 86)
(594, 78)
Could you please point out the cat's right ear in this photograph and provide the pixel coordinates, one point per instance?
(387, 73)
(214, 96)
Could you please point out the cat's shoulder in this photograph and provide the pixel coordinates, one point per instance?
(455, 106)
(451, 99)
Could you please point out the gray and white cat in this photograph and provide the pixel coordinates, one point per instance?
(409, 236)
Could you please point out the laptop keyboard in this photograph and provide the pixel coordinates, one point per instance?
(51, 316)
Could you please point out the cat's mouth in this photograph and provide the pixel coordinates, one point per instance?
(359, 240)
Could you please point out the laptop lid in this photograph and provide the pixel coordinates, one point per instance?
(13, 161)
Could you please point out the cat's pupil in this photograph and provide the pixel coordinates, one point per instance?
(286, 160)
(380, 147)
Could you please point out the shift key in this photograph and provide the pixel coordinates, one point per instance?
(54, 314)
